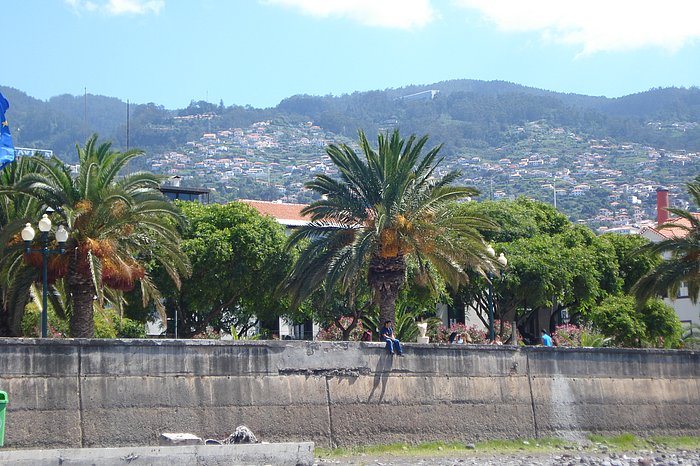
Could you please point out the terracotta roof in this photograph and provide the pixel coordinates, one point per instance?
(286, 214)
(673, 232)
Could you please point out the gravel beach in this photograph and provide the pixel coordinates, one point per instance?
(569, 458)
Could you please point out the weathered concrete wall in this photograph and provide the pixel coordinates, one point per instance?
(92, 393)
(279, 454)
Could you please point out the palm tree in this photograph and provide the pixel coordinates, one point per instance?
(15, 276)
(116, 225)
(681, 250)
(391, 205)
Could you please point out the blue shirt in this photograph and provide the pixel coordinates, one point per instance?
(546, 340)
(386, 332)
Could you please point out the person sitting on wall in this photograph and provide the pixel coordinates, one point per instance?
(453, 338)
(392, 343)
(546, 339)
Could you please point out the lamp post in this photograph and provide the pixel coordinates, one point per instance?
(503, 262)
(28, 236)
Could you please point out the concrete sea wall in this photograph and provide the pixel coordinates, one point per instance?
(99, 393)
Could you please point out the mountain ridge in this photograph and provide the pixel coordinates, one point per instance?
(465, 113)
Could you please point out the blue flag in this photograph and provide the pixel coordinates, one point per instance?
(7, 150)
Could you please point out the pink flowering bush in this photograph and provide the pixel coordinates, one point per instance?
(207, 334)
(567, 335)
(441, 333)
(477, 334)
(507, 329)
(335, 333)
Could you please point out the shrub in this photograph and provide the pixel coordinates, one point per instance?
(567, 335)
(507, 329)
(477, 334)
(617, 318)
(405, 327)
(128, 328)
(108, 324)
(441, 333)
(654, 324)
(664, 329)
(31, 323)
(207, 334)
(591, 338)
(335, 333)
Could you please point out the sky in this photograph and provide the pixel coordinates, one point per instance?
(258, 52)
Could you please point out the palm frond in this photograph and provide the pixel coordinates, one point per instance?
(385, 207)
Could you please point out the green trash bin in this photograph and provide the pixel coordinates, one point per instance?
(3, 404)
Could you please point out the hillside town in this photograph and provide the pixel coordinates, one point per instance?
(604, 184)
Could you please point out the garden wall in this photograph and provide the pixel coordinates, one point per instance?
(96, 393)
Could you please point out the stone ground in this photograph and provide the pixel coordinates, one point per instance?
(570, 458)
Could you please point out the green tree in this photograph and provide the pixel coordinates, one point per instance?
(682, 255)
(663, 328)
(545, 274)
(238, 258)
(632, 265)
(525, 233)
(115, 224)
(391, 205)
(519, 218)
(619, 318)
(345, 309)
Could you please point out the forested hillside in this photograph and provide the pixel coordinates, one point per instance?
(463, 114)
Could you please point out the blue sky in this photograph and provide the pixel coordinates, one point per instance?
(258, 52)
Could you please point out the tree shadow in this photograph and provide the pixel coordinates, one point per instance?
(381, 376)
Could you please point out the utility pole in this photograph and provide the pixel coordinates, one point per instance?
(127, 124)
(87, 130)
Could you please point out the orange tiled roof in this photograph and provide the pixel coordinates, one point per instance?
(674, 232)
(286, 214)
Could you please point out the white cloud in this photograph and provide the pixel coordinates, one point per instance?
(398, 14)
(598, 25)
(118, 7)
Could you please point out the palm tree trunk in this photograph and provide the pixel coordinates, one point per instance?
(82, 294)
(6, 329)
(386, 275)
(82, 323)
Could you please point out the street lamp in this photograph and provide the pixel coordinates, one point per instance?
(503, 262)
(28, 236)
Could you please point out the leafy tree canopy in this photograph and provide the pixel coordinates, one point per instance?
(552, 264)
(520, 218)
(655, 324)
(238, 259)
(573, 268)
(632, 264)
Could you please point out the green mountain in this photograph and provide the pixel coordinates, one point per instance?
(603, 157)
(463, 114)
